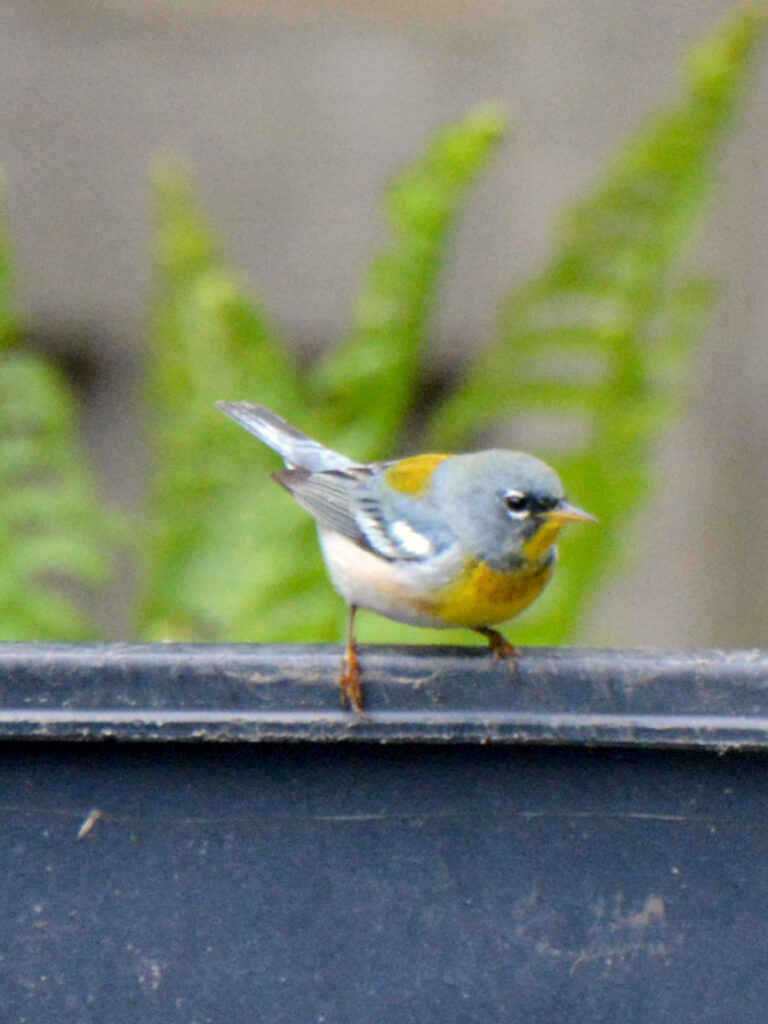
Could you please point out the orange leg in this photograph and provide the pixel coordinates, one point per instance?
(501, 647)
(350, 682)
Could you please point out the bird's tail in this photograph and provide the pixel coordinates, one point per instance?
(297, 449)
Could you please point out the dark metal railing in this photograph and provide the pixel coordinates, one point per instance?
(707, 699)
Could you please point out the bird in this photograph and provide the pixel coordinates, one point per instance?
(434, 540)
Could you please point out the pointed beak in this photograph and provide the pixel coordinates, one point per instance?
(565, 512)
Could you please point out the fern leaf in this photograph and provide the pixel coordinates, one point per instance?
(614, 294)
(221, 534)
(54, 531)
(368, 384)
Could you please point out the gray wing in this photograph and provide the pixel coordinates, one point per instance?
(352, 502)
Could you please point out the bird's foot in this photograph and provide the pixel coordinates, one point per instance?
(350, 683)
(501, 647)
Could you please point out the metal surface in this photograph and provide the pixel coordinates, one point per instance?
(711, 699)
(366, 884)
(455, 882)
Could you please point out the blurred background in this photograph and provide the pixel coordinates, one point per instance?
(294, 116)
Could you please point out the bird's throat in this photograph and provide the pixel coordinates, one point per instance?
(537, 547)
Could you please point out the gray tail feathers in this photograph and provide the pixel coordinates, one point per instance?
(298, 450)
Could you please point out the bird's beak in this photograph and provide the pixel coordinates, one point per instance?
(565, 512)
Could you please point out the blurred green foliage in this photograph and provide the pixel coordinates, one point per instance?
(370, 384)
(206, 575)
(55, 534)
(600, 338)
(597, 346)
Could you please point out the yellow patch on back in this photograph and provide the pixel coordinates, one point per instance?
(543, 540)
(482, 596)
(412, 476)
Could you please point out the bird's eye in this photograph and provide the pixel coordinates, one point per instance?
(517, 503)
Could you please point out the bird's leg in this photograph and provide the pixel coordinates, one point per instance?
(350, 682)
(501, 647)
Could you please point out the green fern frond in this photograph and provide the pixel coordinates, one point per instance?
(54, 531)
(368, 383)
(614, 295)
(221, 534)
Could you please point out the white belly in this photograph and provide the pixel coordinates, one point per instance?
(395, 590)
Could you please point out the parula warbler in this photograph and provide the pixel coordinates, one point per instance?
(431, 540)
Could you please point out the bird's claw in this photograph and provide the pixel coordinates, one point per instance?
(501, 648)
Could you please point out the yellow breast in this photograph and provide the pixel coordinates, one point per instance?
(482, 596)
